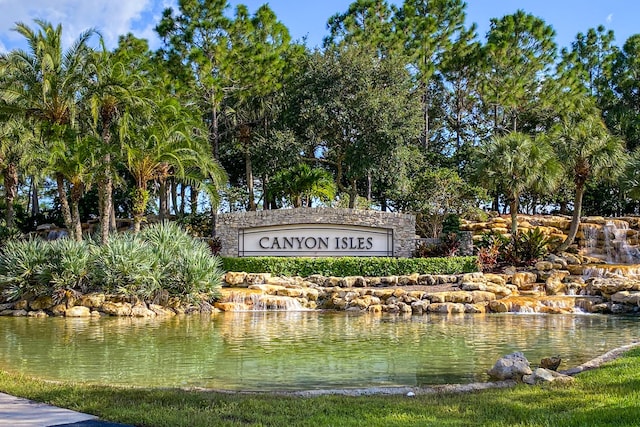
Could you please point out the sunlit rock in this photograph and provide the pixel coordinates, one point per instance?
(524, 279)
(235, 278)
(510, 367)
(93, 300)
(116, 308)
(78, 311)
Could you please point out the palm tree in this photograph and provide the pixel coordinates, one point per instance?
(589, 152)
(160, 147)
(113, 90)
(514, 163)
(301, 183)
(45, 86)
(76, 163)
(16, 143)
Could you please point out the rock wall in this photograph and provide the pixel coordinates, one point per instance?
(604, 239)
(403, 225)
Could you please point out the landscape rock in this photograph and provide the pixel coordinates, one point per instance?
(510, 367)
(78, 311)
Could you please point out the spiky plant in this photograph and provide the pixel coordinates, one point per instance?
(125, 265)
(21, 262)
(68, 265)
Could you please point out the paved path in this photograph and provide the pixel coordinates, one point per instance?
(19, 412)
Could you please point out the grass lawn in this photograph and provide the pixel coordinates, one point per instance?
(608, 396)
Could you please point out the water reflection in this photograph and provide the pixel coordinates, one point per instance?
(289, 350)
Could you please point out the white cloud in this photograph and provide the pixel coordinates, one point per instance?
(610, 18)
(111, 17)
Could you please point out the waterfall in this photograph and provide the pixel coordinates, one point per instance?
(609, 242)
(242, 300)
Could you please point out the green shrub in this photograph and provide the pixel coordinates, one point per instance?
(162, 258)
(124, 265)
(68, 265)
(21, 263)
(350, 266)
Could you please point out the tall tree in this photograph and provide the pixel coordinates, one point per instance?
(260, 47)
(115, 87)
(196, 44)
(589, 152)
(47, 83)
(16, 145)
(356, 109)
(514, 163)
(428, 29)
(518, 57)
(366, 23)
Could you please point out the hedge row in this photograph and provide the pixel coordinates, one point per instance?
(351, 266)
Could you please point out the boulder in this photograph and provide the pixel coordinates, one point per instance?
(551, 363)
(542, 375)
(38, 313)
(116, 308)
(93, 300)
(510, 367)
(78, 311)
(475, 308)
(161, 311)
(141, 310)
(41, 303)
(235, 278)
(59, 309)
(524, 280)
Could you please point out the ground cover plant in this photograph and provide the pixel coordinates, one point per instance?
(161, 258)
(606, 396)
(350, 266)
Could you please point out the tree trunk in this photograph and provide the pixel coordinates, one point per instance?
(353, 194)
(163, 211)
(113, 224)
(369, 186)
(35, 203)
(64, 204)
(193, 200)
(76, 194)
(106, 195)
(249, 176)
(10, 192)
(174, 196)
(140, 200)
(266, 205)
(513, 209)
(214, 219)
(182, 199)
(575, 219)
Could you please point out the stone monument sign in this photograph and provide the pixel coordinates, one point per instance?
(316, 232)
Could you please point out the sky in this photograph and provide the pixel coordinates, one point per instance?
(304, 18)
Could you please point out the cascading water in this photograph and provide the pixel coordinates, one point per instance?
(609, 242)
(247, 300)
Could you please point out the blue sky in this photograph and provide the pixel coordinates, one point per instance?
(306, 17)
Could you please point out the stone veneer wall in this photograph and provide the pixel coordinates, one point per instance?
(403, 225)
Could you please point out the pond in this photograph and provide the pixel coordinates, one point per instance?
(298, 350)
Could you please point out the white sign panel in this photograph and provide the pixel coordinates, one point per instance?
(315, 240)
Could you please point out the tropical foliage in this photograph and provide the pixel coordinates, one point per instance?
(404, 108)
(162, 259)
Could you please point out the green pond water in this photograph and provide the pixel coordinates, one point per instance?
(298, 350)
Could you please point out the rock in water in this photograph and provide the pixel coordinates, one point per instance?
(551, 363)
(511, 367)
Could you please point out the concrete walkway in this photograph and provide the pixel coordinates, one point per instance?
(19, 412)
